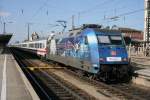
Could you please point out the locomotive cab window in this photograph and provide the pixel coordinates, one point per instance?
(110, 39)
(117, 40)
(103, 39)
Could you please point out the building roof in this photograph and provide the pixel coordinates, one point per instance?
(129, 30)
(4, 39)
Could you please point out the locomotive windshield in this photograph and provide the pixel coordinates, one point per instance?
(110, 39)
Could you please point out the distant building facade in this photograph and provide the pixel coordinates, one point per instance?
(135, 35)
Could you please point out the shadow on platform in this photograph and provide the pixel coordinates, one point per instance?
(23, 54)
(5, 51)
(136, 67)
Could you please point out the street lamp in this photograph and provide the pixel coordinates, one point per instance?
(4, 29)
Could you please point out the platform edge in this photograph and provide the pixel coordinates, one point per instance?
(27, 83)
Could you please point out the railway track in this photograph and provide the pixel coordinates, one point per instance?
(121, 91)
(36, 83)
(136, 57)
(51, 86)
(140, 60)
(63, 89)
(143, 93)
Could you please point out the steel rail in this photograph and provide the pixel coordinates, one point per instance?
(61, 85)
(31, 76)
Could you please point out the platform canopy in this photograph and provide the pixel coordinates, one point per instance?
(4, 39)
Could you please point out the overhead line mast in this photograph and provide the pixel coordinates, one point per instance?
(147, 21)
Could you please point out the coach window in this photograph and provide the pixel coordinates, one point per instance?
(43, 46)
(31, 45)
(38, 45)
(35, 45)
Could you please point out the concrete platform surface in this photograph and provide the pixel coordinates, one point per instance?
(141, 64)
(143, 77)
(13, 83)
(144, 72)
(141, 60)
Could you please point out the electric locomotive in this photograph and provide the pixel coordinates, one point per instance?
(97, 53)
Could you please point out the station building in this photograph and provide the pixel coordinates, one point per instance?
(134, 34)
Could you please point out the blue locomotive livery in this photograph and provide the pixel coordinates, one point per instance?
(89, 50)
(92, 51)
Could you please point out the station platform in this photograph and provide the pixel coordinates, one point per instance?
(13, 83)
(140, 61)
(144, 72)
(143, 77)
(142, 64)
(142, 68)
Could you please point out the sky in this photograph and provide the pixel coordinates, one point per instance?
(44, 14)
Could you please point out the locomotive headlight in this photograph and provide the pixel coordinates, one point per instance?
(95, 66)
(101, 59)
(125, 59)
